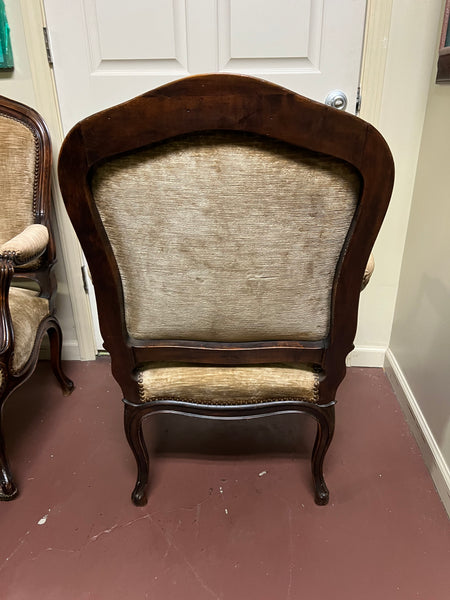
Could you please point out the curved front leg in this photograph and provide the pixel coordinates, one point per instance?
(55, 337)
(133, 430)
(325, 431)
(8, 489)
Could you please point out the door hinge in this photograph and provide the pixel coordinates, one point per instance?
(358, 101)
(84, 277)
(47, 47)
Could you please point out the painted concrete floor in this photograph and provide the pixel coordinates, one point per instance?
(231, 514)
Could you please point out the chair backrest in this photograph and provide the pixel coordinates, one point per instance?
(226, 220)
(25, 159)
(226, 236)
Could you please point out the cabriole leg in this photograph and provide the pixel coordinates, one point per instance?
(133, 430)
(325, 431)
(8, 489)
(55, 337)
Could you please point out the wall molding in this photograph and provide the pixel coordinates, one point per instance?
(373, 65)
(431, 453)
(366, 356)
(70, 349)
(47, 105)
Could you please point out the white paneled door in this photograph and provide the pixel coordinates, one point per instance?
(107, 51)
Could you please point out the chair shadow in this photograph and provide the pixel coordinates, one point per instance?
(271, 436)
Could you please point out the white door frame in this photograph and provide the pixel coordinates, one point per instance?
(372, 77)
(47, 105)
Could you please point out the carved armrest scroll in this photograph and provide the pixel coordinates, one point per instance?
(6, 328)
(26, 247)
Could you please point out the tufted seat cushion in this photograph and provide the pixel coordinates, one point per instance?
(227, 385)
(27, 312)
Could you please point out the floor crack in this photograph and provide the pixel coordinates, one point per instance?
(16, 549)
(171, 544)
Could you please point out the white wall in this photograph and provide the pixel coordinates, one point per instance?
(394, 99)
(19, 85)
(420, 341)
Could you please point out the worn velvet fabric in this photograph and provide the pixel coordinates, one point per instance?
(204, 384)
(27, 245)
(27, 312)
(17, 177)
(226, 236)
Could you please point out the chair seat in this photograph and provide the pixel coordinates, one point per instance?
(27, 312)
(227, 385)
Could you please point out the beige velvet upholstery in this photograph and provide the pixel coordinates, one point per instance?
(202, 384)
(27, 245)
(256, 265)
(27, 312)
(17, 155)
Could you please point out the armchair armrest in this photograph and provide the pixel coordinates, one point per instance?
(27, 246)
(368, 271)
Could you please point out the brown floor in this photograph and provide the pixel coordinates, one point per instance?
(231, 514)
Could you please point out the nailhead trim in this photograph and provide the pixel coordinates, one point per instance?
(188, 401)
(143, 399)
(37, 162)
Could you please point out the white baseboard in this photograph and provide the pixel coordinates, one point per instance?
(70, 350)
(432, 455)
(366, 356)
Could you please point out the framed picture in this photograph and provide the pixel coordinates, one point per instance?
(443, 71)
(6, 56)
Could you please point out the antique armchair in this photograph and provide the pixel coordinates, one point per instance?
(27, 257)
(227, 223)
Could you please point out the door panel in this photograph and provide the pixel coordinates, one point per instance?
(146, 37)
(274, 38)
(279, 29)
(107, 51)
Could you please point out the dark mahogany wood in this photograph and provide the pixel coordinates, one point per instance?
(43, 275)
(231, 103)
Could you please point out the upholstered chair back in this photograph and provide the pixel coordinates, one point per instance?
(226, 236)
(18, 176)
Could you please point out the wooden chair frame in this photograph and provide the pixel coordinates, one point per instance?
(43, 275)
(227, 103)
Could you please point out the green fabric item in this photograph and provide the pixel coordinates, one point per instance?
(6, 55)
